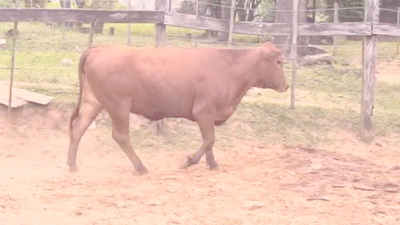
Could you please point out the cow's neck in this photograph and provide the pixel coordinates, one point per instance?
(244, 71)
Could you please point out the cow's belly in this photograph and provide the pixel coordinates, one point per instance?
(158, 115)
(223, 115)
(155, 109)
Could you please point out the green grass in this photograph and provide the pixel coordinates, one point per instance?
(327, 97)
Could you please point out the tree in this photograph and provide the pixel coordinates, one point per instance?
(35, 3)
(246, 9)
(220, 9)
(208, 8)
(284, 15)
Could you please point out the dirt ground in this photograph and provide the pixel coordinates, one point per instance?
(345, 183)
(389, 72)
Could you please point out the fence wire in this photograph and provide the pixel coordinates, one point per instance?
(49, 53)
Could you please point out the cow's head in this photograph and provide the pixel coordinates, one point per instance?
(271, 69)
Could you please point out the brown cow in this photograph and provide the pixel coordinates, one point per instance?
(202, 85)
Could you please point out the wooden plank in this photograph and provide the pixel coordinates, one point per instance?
(335, 29)
(15, 103)
(4, 98)
(294, 52)
(386, 30)
(195, 22)
(80, 15)
(21, 97)
(275, 29)
(32, 96)
(369, 79)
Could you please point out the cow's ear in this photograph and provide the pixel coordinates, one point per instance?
(267, 44)
(272, 52)
(272, 55)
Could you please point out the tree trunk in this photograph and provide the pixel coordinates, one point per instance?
(284, 15)
(241, 12)
(251, 6)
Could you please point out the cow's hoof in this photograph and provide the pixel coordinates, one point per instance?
(142, 170)
(73, 169)
(187, 163)
(213, 166)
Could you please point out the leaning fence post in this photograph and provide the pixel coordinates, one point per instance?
(294, 53)
(14, 42)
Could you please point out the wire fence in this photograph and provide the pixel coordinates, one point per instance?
(49, 53)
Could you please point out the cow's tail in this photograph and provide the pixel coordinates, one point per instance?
(75, 113)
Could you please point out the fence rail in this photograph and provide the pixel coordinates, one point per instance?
(197, 22)
(80, 15)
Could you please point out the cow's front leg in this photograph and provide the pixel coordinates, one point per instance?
(212, 164)
(207, 133)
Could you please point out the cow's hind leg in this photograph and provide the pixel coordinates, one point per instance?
(207, 133)
(88, 112)
(120, 133)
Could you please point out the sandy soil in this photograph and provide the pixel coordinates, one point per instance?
(389, 72)
(346, 183)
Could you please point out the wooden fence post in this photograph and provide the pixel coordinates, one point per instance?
(368, 81)
(231, 22)
(294, 52)
(335, 20)
(364, 38)
(197, 7)
(161, 34)
(91, 34)
(398, 23)
(129, 32)
(14, 42)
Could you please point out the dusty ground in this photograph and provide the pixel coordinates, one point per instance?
(389, 72)
(346, 183)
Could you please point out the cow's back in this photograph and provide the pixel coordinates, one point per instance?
(160, 83)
